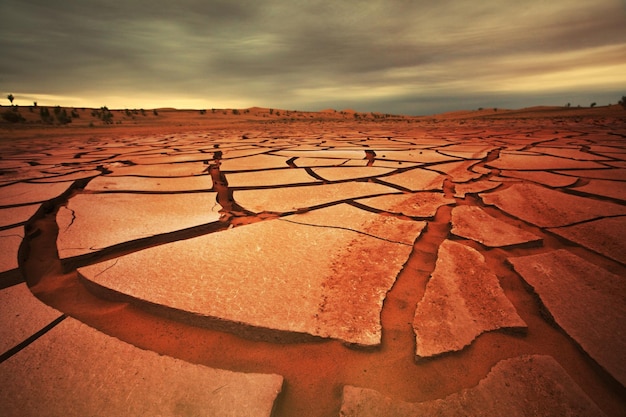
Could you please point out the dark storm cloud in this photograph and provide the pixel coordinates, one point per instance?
(376, 55)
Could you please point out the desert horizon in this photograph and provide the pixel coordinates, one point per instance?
(32, 114)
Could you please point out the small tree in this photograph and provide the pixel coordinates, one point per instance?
(61, 115)
(107, 116)
(593, 104)
(103, 114)
(622, 102)
(11, 98)
(44, 114)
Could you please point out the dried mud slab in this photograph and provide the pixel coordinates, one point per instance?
(90, 222)
(615, 174)
(533, 162)
(421, 204)
(467, 151)
(588, 302)
(235, 149)
(10, 175)
(255, 162)
(350, 173)
(569, 153)
(545, 207)
(533, 385)
(26, 193)
(22, 315)
(304, 162)
(417, 180)
(16, 215)
(240, 151)
(170, 159)
(324, 153)
(415, 155)
(472, 222)
(394, 164)
(344, 216)
(277, 275)
(458, 172)
(130, 184)
(605, 188)
(542, 177)
(463, 299)
(10, 241)
(159, 170)
(276, 177)
(290, 199)
(74, 370)
(604, 236)
(74, 176)
(460, 190)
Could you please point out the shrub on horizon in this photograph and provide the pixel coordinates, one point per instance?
(13, 116)
(61, 116)
(103, 114)
(45, 116)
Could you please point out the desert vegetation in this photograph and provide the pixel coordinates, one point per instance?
(103, 114)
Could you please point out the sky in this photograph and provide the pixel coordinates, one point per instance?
(411, 57)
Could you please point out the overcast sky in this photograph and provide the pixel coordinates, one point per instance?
(392, 56)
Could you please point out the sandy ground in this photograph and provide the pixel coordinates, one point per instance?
(316, 369)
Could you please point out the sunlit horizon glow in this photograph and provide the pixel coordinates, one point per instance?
(402, 57)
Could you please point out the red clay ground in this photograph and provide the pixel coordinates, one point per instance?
(516, 150)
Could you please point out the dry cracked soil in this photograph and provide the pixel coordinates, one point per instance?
(315, 268)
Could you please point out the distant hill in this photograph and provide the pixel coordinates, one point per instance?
(48, 116)
(614, 110)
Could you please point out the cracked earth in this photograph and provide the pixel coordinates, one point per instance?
(317, 269)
